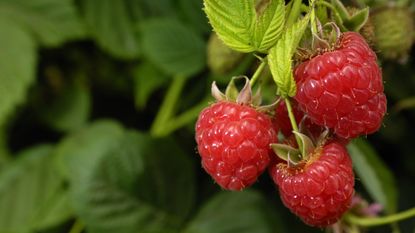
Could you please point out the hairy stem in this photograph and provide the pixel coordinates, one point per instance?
(185, 118)
(258, 72)
(166, 110)
(293, 121)
(368, 222)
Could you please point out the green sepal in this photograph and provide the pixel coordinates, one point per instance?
(307, 146)
(286, 152)
(358, 20)
(216, 93)
(257, 97)
(245, 95)
(232, 91)
(347, 21)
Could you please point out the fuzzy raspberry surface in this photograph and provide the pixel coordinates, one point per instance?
(343, 89)
(233, 142)
(320, 190)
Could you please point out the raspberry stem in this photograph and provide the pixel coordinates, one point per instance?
(258, 72)
(166, 110)
(369, 222)
(293, 122)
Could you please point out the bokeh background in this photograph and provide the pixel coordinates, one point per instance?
(98, 100)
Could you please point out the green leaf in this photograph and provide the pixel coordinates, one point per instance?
(151, 8)
(17, 66)
(30, 190)
(122, 181)
(4, 149)
(112, 27)
(244, 25)
(57, 211)
(95, 141)
(173, 47)
(236, 212)
(269, 24)
(280, 58)
(193, 14)
(147, 78)
(69, 110)
(374, 174)
(358, 20)
(340, 9)
(52, 22)
(233, 21)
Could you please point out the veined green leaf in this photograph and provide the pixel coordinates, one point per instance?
(17, 66)
(230, 212)
(111, 25)
(280, 57)
(121, 181)
(69, 110)
(269, 24)
(52, 22)
(32, 195)
(247, 25)
(233, 21)
(173, 47)
(374, 174)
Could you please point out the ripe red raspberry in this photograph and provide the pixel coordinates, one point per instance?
(233, 141)
(343, 89)
(320, 189)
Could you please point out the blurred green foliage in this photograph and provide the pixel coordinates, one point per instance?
(83, 146)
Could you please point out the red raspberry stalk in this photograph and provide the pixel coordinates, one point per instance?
(342, 89)
(233, 140)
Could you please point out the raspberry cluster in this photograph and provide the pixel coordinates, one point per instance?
(339, 97)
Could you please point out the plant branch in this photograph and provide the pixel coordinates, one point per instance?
(258, 72)
(184, 118)
(166, 110)
(369, 222)
(293, 122)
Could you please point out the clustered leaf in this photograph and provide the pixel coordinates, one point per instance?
(246, 26)
(280, 58)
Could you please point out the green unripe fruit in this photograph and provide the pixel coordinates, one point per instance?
(220, 58)
(394, 32)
